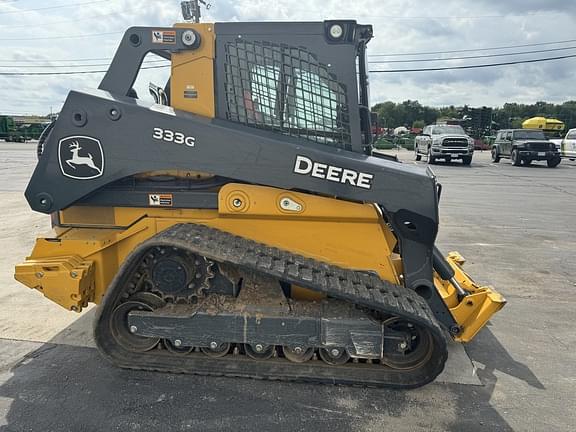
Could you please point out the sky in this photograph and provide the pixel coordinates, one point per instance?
(40, 36)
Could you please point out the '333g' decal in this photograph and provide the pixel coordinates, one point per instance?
(173, 137)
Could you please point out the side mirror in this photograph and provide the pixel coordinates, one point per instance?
(426, 135)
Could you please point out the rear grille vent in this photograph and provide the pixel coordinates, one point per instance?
(286, 90)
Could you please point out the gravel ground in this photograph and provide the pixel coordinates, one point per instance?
(514, 224)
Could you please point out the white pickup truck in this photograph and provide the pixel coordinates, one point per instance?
(446, 142)
(568, 145)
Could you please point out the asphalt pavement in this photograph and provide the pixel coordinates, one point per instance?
(516, 226)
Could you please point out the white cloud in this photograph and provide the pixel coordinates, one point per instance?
(399, 26)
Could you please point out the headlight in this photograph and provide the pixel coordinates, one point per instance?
(470, 143)
(436, 141)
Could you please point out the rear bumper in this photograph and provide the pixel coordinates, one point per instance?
(538, 155)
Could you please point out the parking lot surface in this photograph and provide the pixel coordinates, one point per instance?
(516, 226)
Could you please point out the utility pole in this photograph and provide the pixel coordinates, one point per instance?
(191, 10)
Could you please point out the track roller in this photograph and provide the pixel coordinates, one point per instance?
(298, 354)
(176, 347)
(334, 356)
(259, 351)
(216, 350)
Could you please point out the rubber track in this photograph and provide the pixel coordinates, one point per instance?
(361, 288)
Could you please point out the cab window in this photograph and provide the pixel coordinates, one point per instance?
(298, 101)
(529, 134)
(261, 102)
(316, 104)
(287, 90)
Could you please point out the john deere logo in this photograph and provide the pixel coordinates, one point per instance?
(81, 157)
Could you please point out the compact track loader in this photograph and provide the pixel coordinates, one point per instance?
(241, 225)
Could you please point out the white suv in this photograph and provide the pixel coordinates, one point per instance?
(446, 142)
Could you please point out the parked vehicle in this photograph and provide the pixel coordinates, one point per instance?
(522, 146)
(446, 142)
(568, 145)
(7, 128)
(557, 142)
(21, 129)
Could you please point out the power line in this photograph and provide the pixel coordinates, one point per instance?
(474, 66)
(473, 50)
(531, 14)
(69, 72)
(89, 18)
(317, 12)
(44, 24)
(50, 66)
(372, 71)
(55, 61)
(471, 57)
(75, 66)
(61, 37)
(370, 55)
(53, 7)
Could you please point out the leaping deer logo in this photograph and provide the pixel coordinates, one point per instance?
(80, 160)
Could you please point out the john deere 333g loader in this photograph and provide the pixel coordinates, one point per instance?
(241, 225)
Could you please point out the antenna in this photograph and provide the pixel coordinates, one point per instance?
(191, 9)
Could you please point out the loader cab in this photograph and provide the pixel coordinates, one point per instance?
(307, 81)
(304, 80)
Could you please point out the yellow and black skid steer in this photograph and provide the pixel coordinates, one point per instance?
(242, 225)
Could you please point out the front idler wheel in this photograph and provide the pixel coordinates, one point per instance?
(123, 332)
(412, 352)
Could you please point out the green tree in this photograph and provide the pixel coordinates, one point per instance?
(511, 114)
(392, 115)
(516, 122)
(418, 124)
(387, 114)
